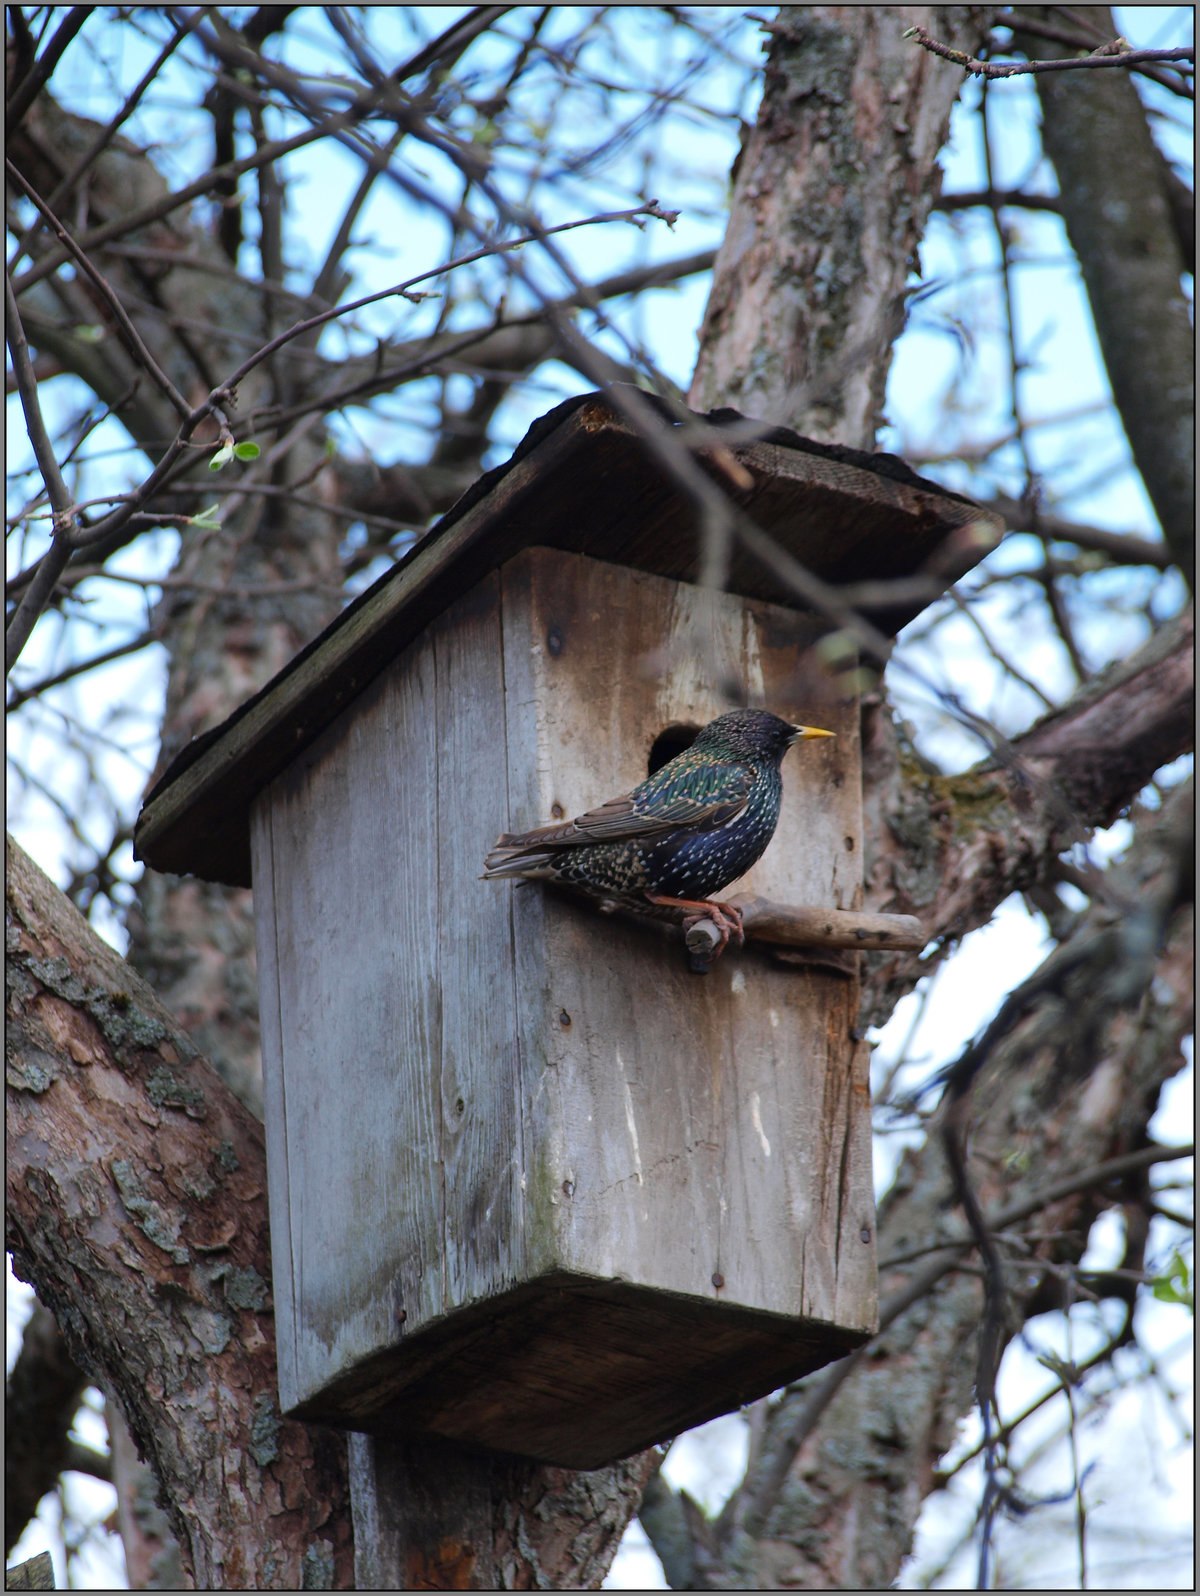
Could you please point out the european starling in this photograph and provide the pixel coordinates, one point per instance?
(688, 830)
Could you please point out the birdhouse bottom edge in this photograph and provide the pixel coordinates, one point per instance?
(575, 1372)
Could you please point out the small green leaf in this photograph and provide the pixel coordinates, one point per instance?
(222, 457)
(1175, 1285)
(90, 334)
(246, 451)
(206, 518)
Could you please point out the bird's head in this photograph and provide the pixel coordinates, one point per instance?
(754, 734)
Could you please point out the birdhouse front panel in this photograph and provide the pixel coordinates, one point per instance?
(535, 1185)
(710, 1099)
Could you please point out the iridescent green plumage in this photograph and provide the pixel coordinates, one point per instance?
(688, 830)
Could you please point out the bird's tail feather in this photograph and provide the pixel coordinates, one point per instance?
(506, 860)
(526, 852)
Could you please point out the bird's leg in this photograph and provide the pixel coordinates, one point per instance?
(727, 917)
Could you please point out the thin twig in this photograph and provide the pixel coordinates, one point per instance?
(1104, 1354)
(137, 348)
(22, 695)
(1087, 38)
(1012, 69)
(37, 595)
(404, 289)
(107, 133)
(1070, 1378)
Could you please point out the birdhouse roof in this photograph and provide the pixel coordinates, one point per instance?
(582, 480)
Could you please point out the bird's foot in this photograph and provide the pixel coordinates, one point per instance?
(726, 919)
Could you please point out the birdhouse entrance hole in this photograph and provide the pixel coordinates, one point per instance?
(670, 741)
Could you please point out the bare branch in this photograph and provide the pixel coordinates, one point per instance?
(1107, 57)
(137, 347)
(24, 93)
(37, 595)
(996, 199)
(1122, 548)
(22, 695)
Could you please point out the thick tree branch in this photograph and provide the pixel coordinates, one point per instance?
(1122, 548)
(950, 849)
(1120, 226)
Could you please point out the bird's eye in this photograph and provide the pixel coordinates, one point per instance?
(670, 741)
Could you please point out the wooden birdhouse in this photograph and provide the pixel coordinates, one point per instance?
(535, 1185)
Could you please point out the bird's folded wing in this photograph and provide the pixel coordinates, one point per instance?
(697, 799)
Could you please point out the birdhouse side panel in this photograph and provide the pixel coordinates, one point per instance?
(354, 1111)
(393, 1108)
(698, 1135)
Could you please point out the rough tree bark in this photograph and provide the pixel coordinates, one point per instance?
(832, 191)
(1119, 221)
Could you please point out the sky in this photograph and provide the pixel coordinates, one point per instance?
(930, 380)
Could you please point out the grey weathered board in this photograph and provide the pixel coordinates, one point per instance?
(533, 1185)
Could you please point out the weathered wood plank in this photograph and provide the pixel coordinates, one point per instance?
(481, 1131)
(274, 1053)
(355, 914)
(36, 1573)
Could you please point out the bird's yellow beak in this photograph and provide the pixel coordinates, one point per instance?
(802, 733)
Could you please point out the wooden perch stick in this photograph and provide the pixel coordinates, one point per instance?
(800, 927)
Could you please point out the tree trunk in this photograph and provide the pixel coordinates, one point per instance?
(1119, 221)
(831, 195)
